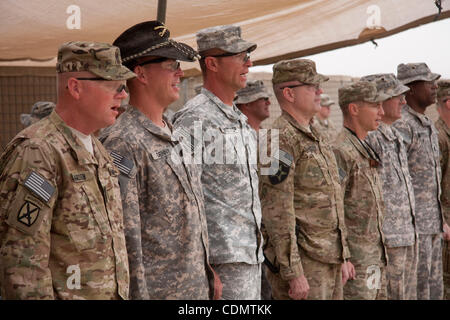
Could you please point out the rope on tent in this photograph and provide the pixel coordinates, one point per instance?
(438, 4)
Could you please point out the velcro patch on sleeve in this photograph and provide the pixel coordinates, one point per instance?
(122, 163)
(39, 186)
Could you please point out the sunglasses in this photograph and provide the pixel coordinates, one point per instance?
(174, 66)
(245, 56)
(315, 86)
(118, 90)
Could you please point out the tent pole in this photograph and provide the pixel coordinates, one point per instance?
(162, 5)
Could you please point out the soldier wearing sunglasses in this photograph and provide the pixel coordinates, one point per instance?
(61, 229)
(164, 217)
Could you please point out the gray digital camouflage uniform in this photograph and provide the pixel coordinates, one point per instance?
(61, 228)
(421, 142)
(399, 221)
(225, 151)
(163, 207)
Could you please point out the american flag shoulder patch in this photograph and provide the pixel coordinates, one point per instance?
(124, 165)
(39, 186)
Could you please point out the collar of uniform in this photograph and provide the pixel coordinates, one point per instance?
(386, 131)
(356, 142)
(83, 156)
(134, 113)
(423, 118)
(313, 134)
(231, 112)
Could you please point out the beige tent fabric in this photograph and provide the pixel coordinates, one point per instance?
(281, 28)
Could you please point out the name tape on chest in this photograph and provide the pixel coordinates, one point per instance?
(124, 165)
(39, 186)
(161, 154)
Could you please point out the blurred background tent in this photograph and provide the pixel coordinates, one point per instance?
(33, 30)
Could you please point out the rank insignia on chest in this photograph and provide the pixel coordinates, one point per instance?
(284, 166)
(28, 213)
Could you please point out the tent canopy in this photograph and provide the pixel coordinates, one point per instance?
(32, 31)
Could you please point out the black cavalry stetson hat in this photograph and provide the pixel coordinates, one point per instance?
(151, 38)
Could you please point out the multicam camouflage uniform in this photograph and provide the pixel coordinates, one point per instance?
(363, 202)
(165, 224)
(444, 146)
(301, 201)
(61, 228)
(60, 217)
(398, 195)
(421, 142)
(326, 128)
(303, 214)
(230, 186)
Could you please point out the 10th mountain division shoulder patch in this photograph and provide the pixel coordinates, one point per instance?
(284, 165)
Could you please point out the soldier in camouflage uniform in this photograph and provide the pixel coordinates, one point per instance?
(322, 122)
(421, 141)
(302, 204)
(164, 217)
(226, 155)
(363, 203)
(39, 110)
(61, 228)
(443, 126)
(253, 101)
(398, 192)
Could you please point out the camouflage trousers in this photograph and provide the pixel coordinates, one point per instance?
(369, 284)
(241, 281)
(446, 269)
(324, 279)
(401, 273)
(430, 284)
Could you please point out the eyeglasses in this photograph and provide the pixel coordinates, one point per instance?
(316, 87)
(118, 90)
(245, 56)
(173, 66)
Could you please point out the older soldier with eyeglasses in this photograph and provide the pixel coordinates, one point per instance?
(61, 225)
(164, 217)
(228, 167)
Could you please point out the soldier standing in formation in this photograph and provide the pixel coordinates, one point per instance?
(228, 166)
(61, 215)
(398, 193)
(302, 201)
(164, 214)
(443, 126)
(321, 120)
(421, 141)
(253, 101)
(361, 108)
(39, 110)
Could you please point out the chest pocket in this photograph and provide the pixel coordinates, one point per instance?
(87, 222)
(312, 170)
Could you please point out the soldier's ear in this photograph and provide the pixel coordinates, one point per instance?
(353, 109)
(74, 87)
(211, 63)
(288, 94)
(140, 74)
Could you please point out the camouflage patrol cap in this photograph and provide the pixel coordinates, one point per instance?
(325, 100)
(443, 89)
(101, 59)
(411, 72)
(387, 83)
(39, 110)
(302, 70)
(253, 91)
(227, 38)
(360, 91)
(151, 38)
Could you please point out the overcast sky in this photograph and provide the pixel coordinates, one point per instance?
(429, 43)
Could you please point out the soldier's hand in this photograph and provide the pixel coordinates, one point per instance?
(345, 273)
(351, 271)
(298, 288)
(446, 232)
